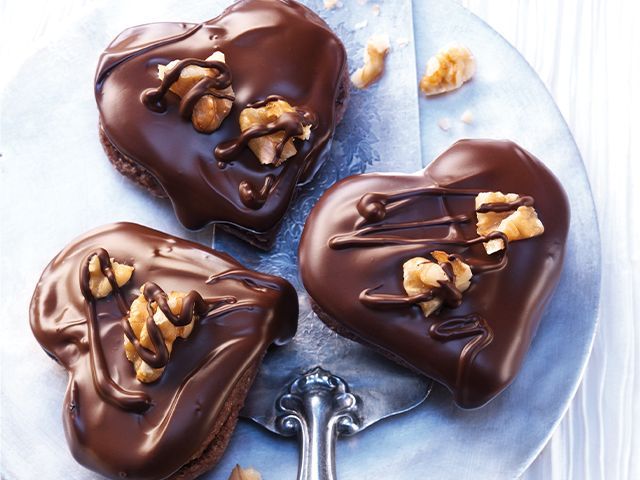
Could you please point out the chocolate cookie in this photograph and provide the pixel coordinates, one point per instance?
(448, 270)
(161, 338)
(226, 118)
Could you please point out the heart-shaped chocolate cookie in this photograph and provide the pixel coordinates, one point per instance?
(161, 338)
(227, 117)
(447, 270)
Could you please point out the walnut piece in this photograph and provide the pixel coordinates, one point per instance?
(209, 111)
(375, 53)
(239, 473)
(421, 275)
(99, 284)
(448, 70)
(517, 224)
(264, 147)
(137, 319)
(331, 4)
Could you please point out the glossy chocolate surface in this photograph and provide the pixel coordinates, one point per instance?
(115, 424)
(272, 47)
(365, 227)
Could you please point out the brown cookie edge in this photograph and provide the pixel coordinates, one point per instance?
(216, 444)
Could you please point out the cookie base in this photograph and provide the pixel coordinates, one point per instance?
(214, 447)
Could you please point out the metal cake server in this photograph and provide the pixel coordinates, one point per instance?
(321, 386)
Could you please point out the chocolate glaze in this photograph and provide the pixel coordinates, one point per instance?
(115, 424)
(272, 47)
(365, 227)
(154, 98)
(291, 123)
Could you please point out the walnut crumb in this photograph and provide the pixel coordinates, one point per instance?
(239, 473)
(331, 4)
(448, 70)
(375, 53)
(517, 224)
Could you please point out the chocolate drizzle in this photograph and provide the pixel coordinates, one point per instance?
(115, 424)
(192, 305)
(256, 281)
(365, 227)
(392, 300)
(158, 357)
(291, 123)
(110, 391)
(447, 292)
(255, 199)
(523, 201)
(154, 98)
(373, 206)
(455, 328)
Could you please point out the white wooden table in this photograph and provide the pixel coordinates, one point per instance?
(587, 52)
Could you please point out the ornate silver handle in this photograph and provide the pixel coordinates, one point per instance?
(317, 407)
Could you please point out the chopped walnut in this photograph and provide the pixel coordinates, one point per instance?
(448, 70)
(137, 319)
(421, 275)
(99, 284)
(374, 55)
(331, 4)
(517, 224)
(239, 473)
(209, 111)
(264, 147)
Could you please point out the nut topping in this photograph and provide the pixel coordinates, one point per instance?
(266, 147)
(99, 284)
(422, 275)
(375, 53)
(213, 105)
(509, 214)
(448, 70)
(138, 314)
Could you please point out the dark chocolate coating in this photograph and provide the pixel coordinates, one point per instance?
(272, 47)
(477, 348)
(155, 441)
